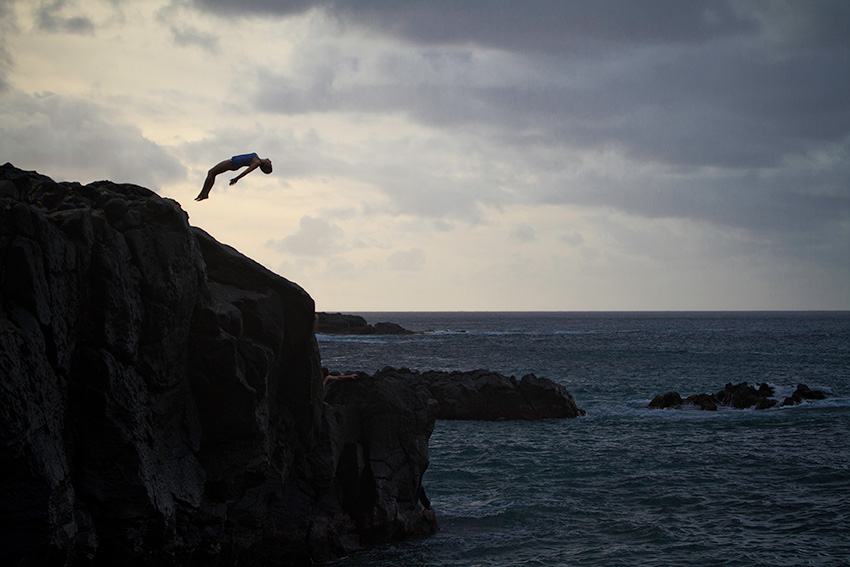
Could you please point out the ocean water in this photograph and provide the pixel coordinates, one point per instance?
(626, 485)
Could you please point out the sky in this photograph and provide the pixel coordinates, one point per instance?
(544, 155)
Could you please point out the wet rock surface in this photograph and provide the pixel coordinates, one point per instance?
(738, 396)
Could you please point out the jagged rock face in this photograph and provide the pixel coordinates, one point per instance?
(378, 430)
(160, 393)
(99, 286)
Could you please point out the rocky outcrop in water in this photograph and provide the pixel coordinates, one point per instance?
(343, 324)
(738, 396)
(489, 396)
(161, 397)
(378, 431)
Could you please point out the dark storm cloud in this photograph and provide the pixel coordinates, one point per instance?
(660, 85)
(546, 25)
(535, 25)
(568, 25)
(730, 102)
(716, 107)
(699, 83)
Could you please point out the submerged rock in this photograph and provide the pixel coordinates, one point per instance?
(742, 396)
(668, 400)
(801, 394)
(162, 398)
(738, 396)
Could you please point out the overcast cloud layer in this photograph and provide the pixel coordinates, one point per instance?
(477, 155)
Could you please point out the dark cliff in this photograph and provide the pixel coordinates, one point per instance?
(161, 397)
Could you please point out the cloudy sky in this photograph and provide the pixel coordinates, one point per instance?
(466, 155)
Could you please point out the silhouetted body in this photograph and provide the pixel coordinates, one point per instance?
(251, 161)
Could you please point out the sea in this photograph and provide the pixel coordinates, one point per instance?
(625, 484)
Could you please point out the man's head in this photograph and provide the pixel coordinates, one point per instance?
(266, 165)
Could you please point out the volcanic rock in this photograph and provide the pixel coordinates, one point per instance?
(702, 401)
(668, 400)
(490, 396)
(742, 396)
(738, 396)
(802, 393)
(161, 398)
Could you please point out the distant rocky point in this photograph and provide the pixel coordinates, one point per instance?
(738, 396)
(342, 324)
(484, 395)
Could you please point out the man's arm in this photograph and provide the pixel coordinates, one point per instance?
(255, 163)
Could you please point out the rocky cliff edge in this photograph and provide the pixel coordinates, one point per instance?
(161, 398)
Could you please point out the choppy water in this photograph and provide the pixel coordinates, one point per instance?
(626, 485)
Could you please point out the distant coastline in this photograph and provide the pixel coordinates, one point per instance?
(344, 324)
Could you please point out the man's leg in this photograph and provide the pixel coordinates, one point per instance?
(226, 165)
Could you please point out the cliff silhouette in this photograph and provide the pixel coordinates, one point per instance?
(161, 398)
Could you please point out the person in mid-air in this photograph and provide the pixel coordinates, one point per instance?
(251, 161)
